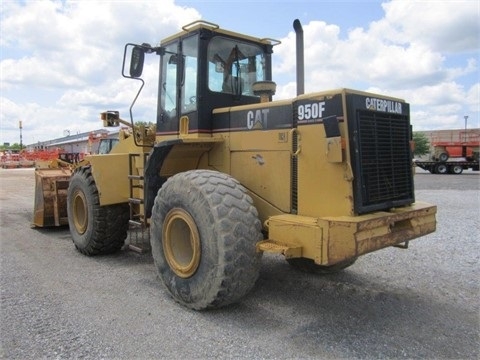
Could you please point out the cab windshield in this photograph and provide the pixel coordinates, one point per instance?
(234, 66)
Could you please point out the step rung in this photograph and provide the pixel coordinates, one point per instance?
(139, 186)
(272, 246)
(135, 223)
(136, 177)
(135, 201)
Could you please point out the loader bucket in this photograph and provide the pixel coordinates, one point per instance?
(51, 197)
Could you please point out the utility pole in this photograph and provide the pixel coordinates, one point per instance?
(20, 127)
(466, 118)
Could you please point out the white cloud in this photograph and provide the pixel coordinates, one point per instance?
(35, 71)
(408, 54)
(84, 39)
(37, 123)
(60, 63)
(473, 103)
(446, 26)
(70, 53)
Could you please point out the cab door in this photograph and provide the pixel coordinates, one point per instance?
(178, 85)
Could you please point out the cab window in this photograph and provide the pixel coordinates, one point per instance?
(234, 66)
(168, 98)
(189, 81)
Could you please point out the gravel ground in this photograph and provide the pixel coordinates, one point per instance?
(417, 303)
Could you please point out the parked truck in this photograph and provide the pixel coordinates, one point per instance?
(454, 166)
(227, 174)
(452, 152)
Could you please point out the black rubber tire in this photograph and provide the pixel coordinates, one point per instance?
(443, 156)
(215, 211)
(309, 266)
(441, 169)
(455, 169)
(95, 229)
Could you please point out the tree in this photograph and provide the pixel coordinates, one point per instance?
(144, 123)
(14, 147)
(422, 145)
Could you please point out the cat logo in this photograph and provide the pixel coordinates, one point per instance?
(383, 105)
(257, 119)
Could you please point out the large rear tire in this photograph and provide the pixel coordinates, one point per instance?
(309, 266)
(204, 230)
(95, 229)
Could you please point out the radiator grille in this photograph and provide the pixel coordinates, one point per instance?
(383, 161)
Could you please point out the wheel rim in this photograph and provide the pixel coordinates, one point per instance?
(443, 157)
(80, 212)
(181, 243)
(441, 169)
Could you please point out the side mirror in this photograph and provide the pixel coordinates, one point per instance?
(136, 61)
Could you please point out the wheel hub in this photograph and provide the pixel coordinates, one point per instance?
(80, 212)
(181, 243)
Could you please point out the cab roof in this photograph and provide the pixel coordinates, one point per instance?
(196, 26)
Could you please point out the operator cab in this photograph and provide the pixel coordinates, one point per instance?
(204, 68)
(106, 145)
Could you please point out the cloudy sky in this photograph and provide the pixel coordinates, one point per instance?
(60, 61)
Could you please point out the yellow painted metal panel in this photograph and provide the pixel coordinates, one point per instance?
(330, 240)
(219, 155)
(186, 156)
(265, 173)
(111, 177)
(261, 160)
(324, 188)
(296, 232)
(264, 208)
(334, 150)
(274, 140)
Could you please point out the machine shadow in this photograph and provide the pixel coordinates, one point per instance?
(345, 311)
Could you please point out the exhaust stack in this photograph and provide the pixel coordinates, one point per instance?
(300, 58)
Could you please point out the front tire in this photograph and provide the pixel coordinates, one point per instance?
(95, 229)
(204, 230)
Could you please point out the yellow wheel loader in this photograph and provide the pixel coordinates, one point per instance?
(227, 174)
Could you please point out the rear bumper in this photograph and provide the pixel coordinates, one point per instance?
(330, 240)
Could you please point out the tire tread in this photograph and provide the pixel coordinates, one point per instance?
(110, 223)
(238, 230)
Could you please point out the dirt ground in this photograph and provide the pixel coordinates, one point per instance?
(417, 303)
